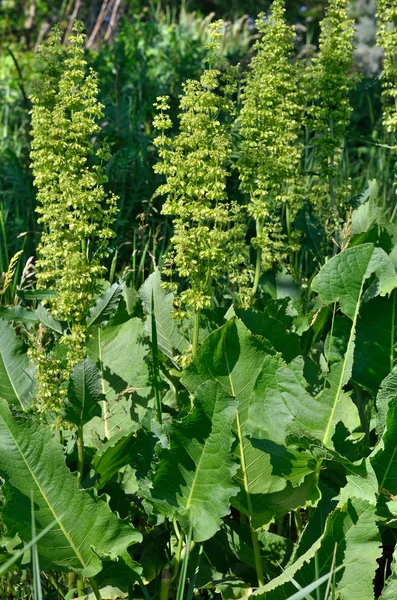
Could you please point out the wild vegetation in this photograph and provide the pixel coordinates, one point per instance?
(198, 381)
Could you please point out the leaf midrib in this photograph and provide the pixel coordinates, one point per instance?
(58, 520)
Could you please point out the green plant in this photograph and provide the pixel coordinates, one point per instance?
(75, 211)
(262, 462)
(329, 83)
(209, 232)
(270, 119)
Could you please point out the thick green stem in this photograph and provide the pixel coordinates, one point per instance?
(71, 581)
(178, 557)
(95, 588)
(196, 325)
(80, 586)
(257, 558)
(182, 578)
(298, 521)
(80, 453)
(166, 580)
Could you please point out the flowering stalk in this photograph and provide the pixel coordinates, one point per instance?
(387, 37)
(329, 84)
(270, 149)
(209, 230)
(75, 211)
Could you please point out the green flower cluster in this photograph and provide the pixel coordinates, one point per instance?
(270, 119)
(329, 83)
(75, 211)
(387, 37)
(209, 231)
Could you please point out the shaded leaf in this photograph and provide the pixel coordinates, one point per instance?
(376, 337)
(169, 338)
(274, 325)
(84, 393)
(16, 370)
(105, 306)
(384, 457)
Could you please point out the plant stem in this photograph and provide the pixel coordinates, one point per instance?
(80, 586)
(166, 580)
(258, 266)
(317, 574)
(257, 557)
(196, 325)
(71, 581)
(80, 453)
(178, 557)
(182, 579)
(298, 522)
(95, 588)
(55, 585)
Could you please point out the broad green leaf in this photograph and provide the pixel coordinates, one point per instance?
(136, 449)
(342, 278)
(361, 478)
(193, 480)
(113, 455)
(313, 232)
(315, 526)
(170, 340)
(45, 317)
(18, 313)
(358, 538)
(105, 306)
(16, 371)
(280, 400)
(84, 394)
(120, 354)
(109, 592)
(387, 393)
(31, 317)
(337, 339)
(369, 213)
(36, 294)
(234, 358)
(384, 457)
(352, 529)
(376, 337)
(274, 325)
(390, 590)
(32, 461)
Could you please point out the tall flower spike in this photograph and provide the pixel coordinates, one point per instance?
(387, 37)
(329, 84)
(272, 107)
(209, 232)
(74, 209)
